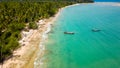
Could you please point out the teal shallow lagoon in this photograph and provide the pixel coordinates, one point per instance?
(85, 49)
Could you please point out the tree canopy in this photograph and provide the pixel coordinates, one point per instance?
(14, 15)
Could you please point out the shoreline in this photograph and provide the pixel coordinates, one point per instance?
(25, 56)
(44, 38)
(39, 63)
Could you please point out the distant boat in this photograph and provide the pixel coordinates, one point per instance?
(69, 33)
(96, 30)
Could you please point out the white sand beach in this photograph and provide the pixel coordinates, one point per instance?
(24, 56)
(31, 42)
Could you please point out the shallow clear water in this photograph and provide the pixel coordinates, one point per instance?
(85, 49)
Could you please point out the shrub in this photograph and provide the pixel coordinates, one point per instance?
(33, 25)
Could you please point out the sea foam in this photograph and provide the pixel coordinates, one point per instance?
(39, 60)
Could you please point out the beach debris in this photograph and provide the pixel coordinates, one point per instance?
(40, 22)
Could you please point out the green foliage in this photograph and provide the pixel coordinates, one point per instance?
(14, 15)
(33, 25)
(16, 26)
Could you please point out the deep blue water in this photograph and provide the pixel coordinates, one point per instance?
(85, 49)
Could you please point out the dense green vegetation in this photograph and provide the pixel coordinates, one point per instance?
(33, 25)
(15, 15)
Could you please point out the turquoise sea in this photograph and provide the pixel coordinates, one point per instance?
(85, 49)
